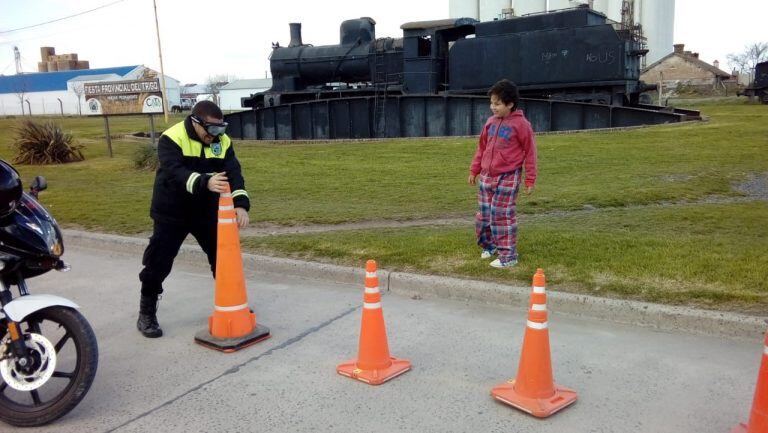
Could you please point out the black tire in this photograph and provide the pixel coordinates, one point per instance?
(77, 340)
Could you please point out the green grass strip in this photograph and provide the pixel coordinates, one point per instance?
(705, 255)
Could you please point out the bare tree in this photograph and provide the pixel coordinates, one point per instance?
(214, 83)
(20, 89)
(79, 89)
(746, 60)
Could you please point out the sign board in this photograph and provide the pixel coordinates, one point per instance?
(123, 97)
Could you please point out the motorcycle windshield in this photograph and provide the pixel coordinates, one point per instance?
(30, 229)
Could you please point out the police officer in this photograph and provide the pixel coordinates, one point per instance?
(197, 161)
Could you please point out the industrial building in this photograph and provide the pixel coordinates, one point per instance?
(655, 17)
(61, 92)
(230, 95)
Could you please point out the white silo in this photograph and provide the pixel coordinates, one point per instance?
(492, 9)
(658, 20)
(529, 6)
(563, 4)
(463, 8)
(610, 8)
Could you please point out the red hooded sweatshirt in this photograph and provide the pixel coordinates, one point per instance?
(505, 145)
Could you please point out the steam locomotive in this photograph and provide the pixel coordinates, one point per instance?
(575, 70)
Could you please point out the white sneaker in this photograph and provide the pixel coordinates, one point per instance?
(487, 254)
(499, 264)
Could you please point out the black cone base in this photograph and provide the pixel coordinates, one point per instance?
(204, 338)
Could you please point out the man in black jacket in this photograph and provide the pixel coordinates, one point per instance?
(197, 161)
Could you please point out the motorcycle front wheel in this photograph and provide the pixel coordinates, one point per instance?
(64, 354)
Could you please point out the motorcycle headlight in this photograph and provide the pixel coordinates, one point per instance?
(56, 248)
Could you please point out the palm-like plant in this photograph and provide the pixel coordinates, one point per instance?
(44, 143)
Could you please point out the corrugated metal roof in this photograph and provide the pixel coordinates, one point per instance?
(255, 83)
(52, 81)
(97, 77)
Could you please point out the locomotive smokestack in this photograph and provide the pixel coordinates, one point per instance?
(295, 35)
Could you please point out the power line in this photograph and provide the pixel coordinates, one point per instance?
(63, 18)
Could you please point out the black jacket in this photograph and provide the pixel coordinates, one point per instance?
(181, 192)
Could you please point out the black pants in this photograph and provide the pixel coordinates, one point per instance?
(164, 246)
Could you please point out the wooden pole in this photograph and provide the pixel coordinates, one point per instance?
(152, 130)
(162, 71)
(109, 138)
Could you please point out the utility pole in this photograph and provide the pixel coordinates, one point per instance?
(162, 71)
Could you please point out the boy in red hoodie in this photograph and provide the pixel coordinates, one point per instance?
(505, 149)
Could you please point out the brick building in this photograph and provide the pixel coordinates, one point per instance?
(684, 68)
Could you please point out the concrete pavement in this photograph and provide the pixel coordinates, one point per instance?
(629, 379)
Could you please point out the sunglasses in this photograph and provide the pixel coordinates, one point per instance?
(214, 129)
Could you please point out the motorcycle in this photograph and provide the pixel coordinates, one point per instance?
(48, 351)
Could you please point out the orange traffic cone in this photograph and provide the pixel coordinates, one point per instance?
(373, 365)
(534, 391)
(758, 419)
(232, 325)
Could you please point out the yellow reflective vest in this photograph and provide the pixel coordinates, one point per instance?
(181, 192)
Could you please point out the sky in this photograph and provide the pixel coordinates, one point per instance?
(205, 38)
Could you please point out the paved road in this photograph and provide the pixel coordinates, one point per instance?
(628, 379)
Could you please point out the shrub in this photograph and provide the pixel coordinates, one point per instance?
(145, 158)
(45, 143)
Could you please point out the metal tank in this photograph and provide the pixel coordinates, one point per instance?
(657, 17)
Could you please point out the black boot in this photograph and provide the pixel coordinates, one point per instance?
(147, 323)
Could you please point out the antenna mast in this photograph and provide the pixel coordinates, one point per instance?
(17, 58)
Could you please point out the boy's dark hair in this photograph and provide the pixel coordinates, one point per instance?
(506, 91)
(204, 109)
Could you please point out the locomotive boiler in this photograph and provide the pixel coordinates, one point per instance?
(575, 70)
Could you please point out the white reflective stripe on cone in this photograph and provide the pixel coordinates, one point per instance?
(226, 207)
(226, 221)
(226, 194)
(371, 290)
(235, 308)
(370, 274)
(371, 305)
(539, 307)
(538, 289)
(537, 325)
(765, 350)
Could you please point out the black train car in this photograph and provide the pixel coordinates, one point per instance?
(759, 86)
(575, 55)
(575, 69)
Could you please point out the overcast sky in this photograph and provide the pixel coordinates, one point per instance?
(203, 38)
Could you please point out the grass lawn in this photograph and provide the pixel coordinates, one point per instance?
(685, 252)
(711, 255)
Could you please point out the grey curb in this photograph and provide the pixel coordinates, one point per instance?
(662, 317)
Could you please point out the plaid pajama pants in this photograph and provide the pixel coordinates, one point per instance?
(496, 222)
